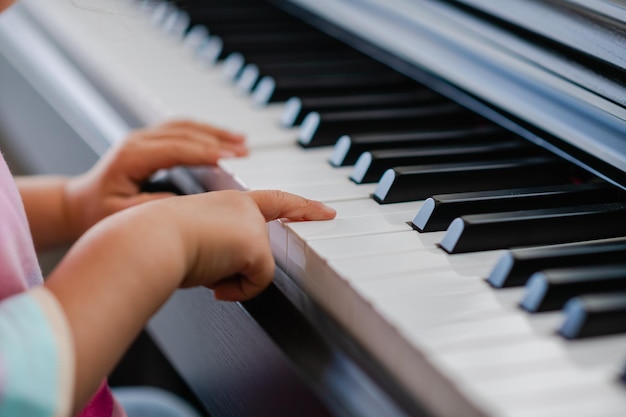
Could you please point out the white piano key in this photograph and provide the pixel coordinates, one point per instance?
(535, 391)
(514, 369)
(417, 285)
(606, 354)
(597, 400)
(365, 245)
(354, 217)
(327, 191)
(501, 360)
(542, 324)
(278, 177)
(514, 387)
(420, 261)
(291, 237)
(414, 312)
(278, 167)
(288, 157)
(368, 207)
(599, 353)
(459, 336)
(351, 226)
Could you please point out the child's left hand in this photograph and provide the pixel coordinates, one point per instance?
(114, 183)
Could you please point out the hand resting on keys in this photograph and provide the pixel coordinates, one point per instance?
(114, 183)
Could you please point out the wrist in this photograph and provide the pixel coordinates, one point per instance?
(47, 211)
(76, 205)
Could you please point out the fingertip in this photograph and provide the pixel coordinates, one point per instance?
(239, 137)
(243, 150)
(229, 136)
(239, 149)
(327, 211)
(319, 211)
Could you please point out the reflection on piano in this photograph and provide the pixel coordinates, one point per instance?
(475, 152)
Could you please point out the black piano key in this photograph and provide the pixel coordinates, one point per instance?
(296, 108)
(419, 182)
(478, 232)
(208, 15)
(253, 72)
(218, 47)
(236, 61)
(273, 26)
(160, 184)
(371, 165)
(203, 4)
(176, 180)
(438, 211)
(516, 266)
(324, 129)
(350, 147)
(594, 315)
(551, 289)
(275, 89)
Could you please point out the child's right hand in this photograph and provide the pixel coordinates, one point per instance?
(227, 246)
(123, 269)
(217, 239)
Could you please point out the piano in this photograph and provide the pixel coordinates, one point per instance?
(475, 152)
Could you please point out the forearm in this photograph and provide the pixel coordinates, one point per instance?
(108, 289)
(45, 205)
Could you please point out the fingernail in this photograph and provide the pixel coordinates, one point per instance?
(240, 136)
(328, 208)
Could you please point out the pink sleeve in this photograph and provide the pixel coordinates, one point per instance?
(103, 404)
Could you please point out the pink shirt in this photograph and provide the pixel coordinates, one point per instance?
(36, 351)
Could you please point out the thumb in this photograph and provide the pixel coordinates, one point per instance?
(275, 204)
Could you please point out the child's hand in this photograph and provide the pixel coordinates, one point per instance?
(114, 182)
(123, 269)
(229, 249)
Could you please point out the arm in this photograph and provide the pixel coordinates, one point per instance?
(122, 270)
(61, 209)
(46, 209)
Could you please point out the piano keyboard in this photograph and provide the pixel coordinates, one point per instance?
(430, 199)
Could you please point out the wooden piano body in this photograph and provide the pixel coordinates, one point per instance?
(314, 345)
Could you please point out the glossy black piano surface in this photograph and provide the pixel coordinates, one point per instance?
(457, 139)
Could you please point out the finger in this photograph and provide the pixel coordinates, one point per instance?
(238, 148)
(222, 134)
(144, 159)
(275, 204)
(241, 287)
(250, 281)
